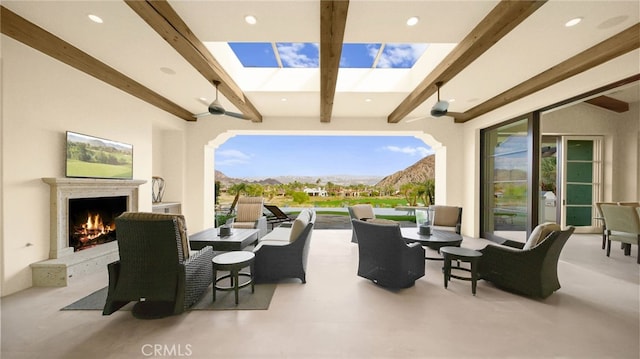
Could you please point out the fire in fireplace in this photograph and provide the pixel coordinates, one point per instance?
(92, 220)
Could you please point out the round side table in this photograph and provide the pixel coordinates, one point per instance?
(233, 262)
(463, 255)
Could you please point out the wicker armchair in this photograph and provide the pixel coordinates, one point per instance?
(532, 272)
(156, 267)
(284, 252)
(384, 256)
(249, 215)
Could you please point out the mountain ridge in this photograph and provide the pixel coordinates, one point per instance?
(420, 171)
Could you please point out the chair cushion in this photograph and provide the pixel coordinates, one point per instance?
(446, 216)
(248, 212)
(381, 221)
(540, 233)
(299, 224)
(363, 211)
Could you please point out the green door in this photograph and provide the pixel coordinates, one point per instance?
(582, 180)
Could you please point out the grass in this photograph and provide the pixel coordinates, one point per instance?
(88, 169)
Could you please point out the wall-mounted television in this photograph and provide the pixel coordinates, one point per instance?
(94, 157)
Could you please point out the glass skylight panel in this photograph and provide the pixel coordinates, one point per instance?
(298, 54)
(400, 56)
(358, 56)
(254, 54)
(307, 55)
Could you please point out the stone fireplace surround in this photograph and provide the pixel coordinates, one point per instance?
(63, 262)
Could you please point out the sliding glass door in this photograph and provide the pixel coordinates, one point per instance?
(507, 174)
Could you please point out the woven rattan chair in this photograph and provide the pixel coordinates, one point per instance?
(249, 215)
(384, 256)
(447, 218)
(532, 272)
(280, 258)
(623, 225)
(156, 268)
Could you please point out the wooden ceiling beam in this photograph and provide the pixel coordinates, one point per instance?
(500, 21)
(609, 103)
(333, 19)
(160, 16)
(617, 45)
(36, 37)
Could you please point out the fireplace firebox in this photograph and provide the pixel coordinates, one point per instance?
(92, 220)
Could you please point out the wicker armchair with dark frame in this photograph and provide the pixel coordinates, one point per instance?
(156, 268)
(385, 258)
(532, 271)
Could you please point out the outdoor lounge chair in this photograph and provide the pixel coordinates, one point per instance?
(156, 268)
(278, 215)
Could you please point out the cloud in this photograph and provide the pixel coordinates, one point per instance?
(231, 158)
(298, 54)
(401, 55)
(411, 151)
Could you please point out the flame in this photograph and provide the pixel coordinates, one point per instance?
(94, 227)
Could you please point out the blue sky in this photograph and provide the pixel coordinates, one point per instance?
(307, 55)
(262, 156)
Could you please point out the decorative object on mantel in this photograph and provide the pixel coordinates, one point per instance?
(157, 189)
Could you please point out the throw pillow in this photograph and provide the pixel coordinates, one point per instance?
(540, 233)
(299, 224)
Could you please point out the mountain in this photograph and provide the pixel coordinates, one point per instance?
(231, 181)
(416, 173)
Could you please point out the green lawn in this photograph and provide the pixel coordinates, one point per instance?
(87, 169)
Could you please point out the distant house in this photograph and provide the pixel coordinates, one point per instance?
(316, 192)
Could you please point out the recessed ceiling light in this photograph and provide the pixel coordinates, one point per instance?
(573, 22)
(452, 100)
(412, 21)
(168, 71)
(367, 100)
(250, 19)
(284, 99)
(203, 99)
(95, 18)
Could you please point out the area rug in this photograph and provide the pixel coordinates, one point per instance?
(259, 300)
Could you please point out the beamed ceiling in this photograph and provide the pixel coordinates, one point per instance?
(162, 52)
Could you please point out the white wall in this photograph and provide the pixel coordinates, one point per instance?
(43, 98)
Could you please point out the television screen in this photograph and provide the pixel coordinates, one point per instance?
(93, 157)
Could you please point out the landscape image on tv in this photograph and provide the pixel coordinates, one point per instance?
(93, 157)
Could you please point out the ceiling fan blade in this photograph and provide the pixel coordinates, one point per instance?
(236, 115)
(199, 115)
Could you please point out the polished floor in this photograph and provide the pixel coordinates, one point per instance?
(339, 315)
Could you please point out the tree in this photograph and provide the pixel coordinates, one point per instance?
(300, 197)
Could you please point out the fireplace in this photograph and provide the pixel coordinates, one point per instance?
(92, 220)
(65, 195)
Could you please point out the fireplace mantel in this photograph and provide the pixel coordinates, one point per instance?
(63, 189)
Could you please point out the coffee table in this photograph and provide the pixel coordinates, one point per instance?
(435, 241)
(239, 238)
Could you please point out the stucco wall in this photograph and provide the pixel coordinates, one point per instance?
(42, 99)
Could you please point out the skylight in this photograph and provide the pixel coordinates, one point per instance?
(307, 55)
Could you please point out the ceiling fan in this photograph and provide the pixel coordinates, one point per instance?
(215, 108)
(441, 108)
